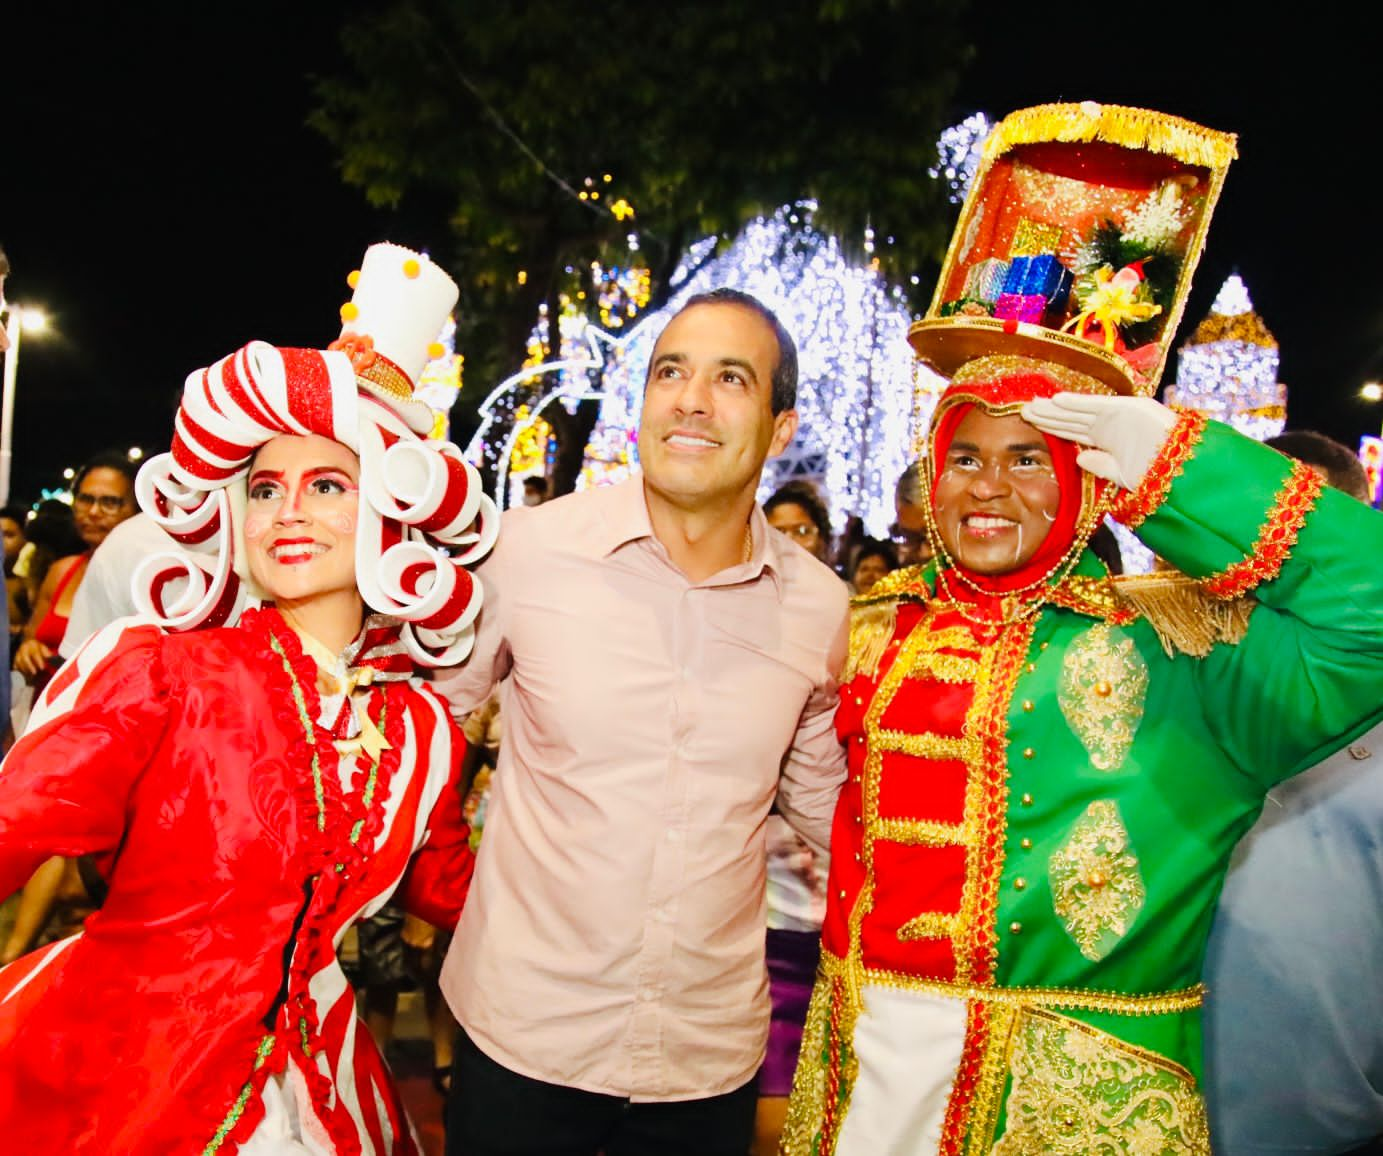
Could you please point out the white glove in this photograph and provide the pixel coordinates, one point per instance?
(1123, 433)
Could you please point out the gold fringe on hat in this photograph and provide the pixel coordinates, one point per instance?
(1186, 619)
(1134, 128)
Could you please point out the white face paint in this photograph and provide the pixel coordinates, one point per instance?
(301, 517)
(997, 494)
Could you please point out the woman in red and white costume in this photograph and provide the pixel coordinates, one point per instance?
(253, 779)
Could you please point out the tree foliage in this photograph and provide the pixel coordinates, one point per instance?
(701, 113)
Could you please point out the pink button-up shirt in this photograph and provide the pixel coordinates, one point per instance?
(613, 939)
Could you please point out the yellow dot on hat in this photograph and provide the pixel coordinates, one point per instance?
(435, 350)
(350, 311)
(353, 278)
(411, 268)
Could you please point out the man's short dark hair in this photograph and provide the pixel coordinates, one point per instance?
(785, 372)
(799, 492)
(534, 482)
(1343, 469)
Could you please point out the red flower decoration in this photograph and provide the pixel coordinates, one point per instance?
(360, 348)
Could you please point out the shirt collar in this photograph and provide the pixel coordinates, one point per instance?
(626, 520)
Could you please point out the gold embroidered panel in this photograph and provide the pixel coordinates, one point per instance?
(1079, 1090)
(1097, 888)
(1104, 682)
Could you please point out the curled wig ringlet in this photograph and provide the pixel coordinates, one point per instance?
(423, 516)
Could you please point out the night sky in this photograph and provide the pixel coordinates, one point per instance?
(162, 198)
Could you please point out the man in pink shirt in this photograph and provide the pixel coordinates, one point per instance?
(667, 668)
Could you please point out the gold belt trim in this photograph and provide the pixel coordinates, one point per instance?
(1150, 1004)
(925, 746)
(922, 832)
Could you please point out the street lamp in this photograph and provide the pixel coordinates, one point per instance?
(18, 319)
(1371, 391)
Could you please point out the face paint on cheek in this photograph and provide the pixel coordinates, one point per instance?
(343, 522)
(255, 525)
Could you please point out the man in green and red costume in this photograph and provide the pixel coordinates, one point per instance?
(1049, 769)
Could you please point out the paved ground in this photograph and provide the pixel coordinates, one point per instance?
(410, 1057)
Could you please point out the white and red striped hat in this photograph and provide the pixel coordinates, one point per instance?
(423, 515)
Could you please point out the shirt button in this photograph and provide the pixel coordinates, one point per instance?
(1027, 704)
(1028, 752)
(840, 894)
(1026, 800)
(1026, 844)
(1031, 668)
(1043, 646)
(859, 738)
(1015, 928)
(1019, 883)
(859, 701)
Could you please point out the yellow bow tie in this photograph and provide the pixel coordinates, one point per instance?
(369, 739)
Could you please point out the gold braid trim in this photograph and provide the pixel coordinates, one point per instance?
(1095, 597)
(1133, 128)
(1118, 1003)
(871, 630)
(926, 746)
(384, 375)
(953, 668)
(907, 581)
(997, 366)
(1133, 506)
(929, 925)
(874, 616)
(1186, 618)
(989, 1083)
(923, 832)
(1294, 501)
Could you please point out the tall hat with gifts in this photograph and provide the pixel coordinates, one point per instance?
(1077, 243)
(423, 516)
(1068, 271)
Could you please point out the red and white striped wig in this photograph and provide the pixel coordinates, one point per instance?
(423, 516)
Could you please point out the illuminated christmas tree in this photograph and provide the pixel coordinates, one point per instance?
(1228, 370)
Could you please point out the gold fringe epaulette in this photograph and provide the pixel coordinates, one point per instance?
(1095, 596)
(1187, 620)
(873, 617)
(1133, 128)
